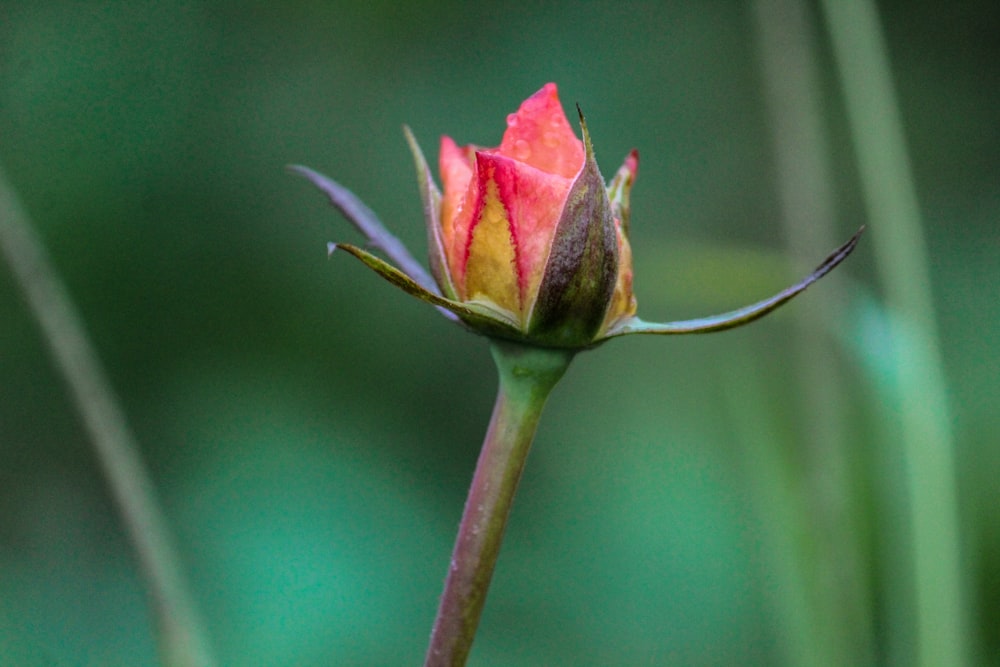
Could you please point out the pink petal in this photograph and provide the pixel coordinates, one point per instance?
(632, 162)
(457, 166)
(538, 134)
(534, 202)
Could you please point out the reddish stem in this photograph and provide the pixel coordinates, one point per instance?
(527, 376)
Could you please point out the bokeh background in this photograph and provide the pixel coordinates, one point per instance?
(729, 499)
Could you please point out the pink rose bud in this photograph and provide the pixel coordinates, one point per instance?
(527, 243)
(527, 230)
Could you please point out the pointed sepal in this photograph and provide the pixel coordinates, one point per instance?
(620, 188)
(366, 222)
(582, 266)
(480, 318)
(743, 315)
(431, 197)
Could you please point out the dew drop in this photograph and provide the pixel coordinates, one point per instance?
(522, 149)
(512, 120)
(550, 139)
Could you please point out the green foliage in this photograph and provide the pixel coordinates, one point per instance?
(312, 434)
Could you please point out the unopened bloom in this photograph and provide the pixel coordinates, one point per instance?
(527, 242)
(529, 245)
(527, 230)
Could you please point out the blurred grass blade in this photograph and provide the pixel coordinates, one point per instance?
(840, 625)
(926, 439)
(180, 638)
(780, 496)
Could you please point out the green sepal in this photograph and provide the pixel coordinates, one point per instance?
(580, 272)
(431, 197)
(741, 316)
(620, 188)
(366, 222)
(478, 317)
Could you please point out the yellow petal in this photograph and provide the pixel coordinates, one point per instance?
(491, 270)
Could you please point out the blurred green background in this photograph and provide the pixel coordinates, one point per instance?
(312, 432)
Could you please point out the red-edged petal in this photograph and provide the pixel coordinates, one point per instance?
(457, 164)
(533, 201)
(489, 258)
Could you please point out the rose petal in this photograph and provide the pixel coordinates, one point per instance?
(539, 134)
(457, 166)
(533, 201)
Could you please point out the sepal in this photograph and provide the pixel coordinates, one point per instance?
(582, 267)
(740, 316)
(431, 197)
(366, 222)
(620, 188)
(478, 317)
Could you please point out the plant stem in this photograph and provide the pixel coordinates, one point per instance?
(527, 376)
(181, 641)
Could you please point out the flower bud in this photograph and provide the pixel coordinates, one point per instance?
(527, 230)
(527, 243)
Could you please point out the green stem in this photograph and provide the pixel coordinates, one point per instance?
(181, 641)
(527, 376)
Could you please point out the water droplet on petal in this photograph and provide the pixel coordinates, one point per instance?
(550, 139)
(512, 120)
(522, 150)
